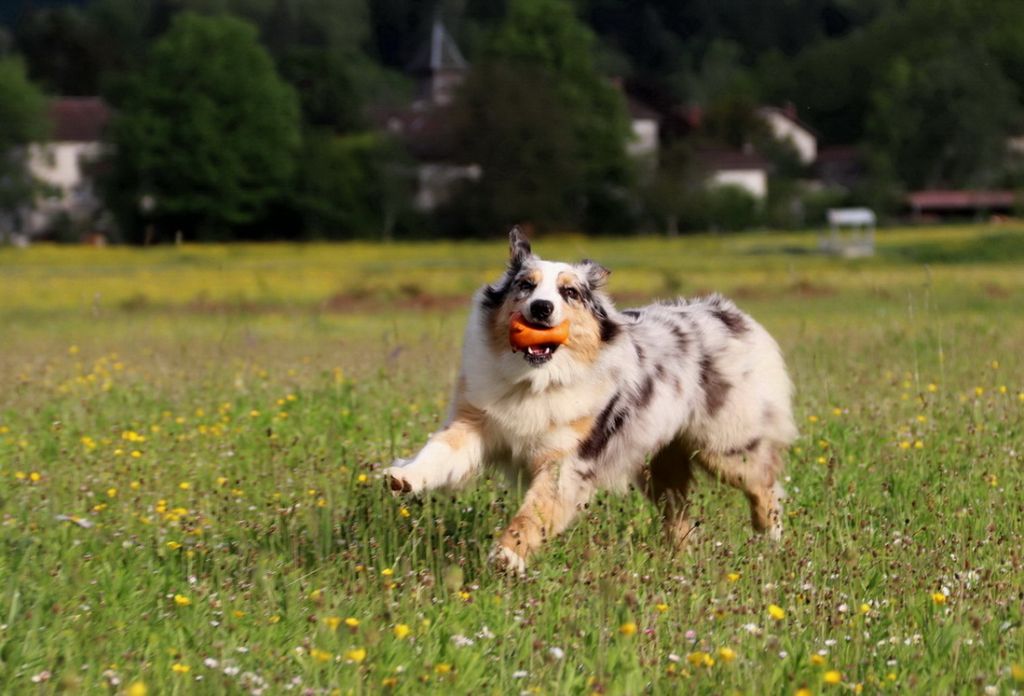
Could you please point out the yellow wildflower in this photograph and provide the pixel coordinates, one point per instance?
(733, 577)
(776, 612)
(726, 654)
(352, 622)
(662, 607)
(832, 677)
(1017, 672)
(332, 622)
(817, 660)
(700, 659)
(442, 668)
(404, 512)
(34, 477)
(627, 629)
(136, 689)
(174, 545)
(803, 692)
(938, 597)
(401, 631)
(179, 668)
(182, 600)
(387, 572)
(320, 655)
(111, 492)
(388, 682)
(356, 655)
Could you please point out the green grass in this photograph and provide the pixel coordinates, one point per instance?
(264, 387)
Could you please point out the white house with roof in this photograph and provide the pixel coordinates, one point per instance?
(66, 165)
(786, 126)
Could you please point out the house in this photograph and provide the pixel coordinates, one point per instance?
(785, 125)
(645, 124)
(840, 166)
(941, 203)
(744, 169)
(424, 126)
(66, 166)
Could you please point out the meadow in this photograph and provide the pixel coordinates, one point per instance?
(191, 441)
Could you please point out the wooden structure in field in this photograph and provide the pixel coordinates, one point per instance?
(851, 233)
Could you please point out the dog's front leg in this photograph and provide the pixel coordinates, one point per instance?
(556, 493)
(450, 457)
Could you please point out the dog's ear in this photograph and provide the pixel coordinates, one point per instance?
(595, 273)
(518, 247)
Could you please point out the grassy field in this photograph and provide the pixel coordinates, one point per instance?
(190, 497)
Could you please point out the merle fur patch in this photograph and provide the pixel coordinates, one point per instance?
(605, 427)
(714, 385)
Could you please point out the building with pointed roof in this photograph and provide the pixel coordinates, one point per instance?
(439, 65)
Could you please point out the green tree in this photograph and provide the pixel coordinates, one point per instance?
(22, 121)
(945, 121)
(546, 36)
(352, 186)
(207, 132)
(511, 122)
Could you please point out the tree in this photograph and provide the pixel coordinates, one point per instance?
(351, 186)
(511, 122)
(207, 132)
(22, 121)
(546, 37)
(945, 121)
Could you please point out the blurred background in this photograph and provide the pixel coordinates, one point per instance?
(149, 121)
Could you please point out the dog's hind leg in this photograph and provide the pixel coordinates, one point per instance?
(451, 457)
(667, 482)
(755, 469)
(556, 493)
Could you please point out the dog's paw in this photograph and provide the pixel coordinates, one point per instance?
(397, 480)
(506, 561)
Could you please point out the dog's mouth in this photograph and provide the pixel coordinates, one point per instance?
(539, 354)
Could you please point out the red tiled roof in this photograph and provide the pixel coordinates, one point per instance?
(960, 200)
(79, 119)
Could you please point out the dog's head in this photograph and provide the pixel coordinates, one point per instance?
(543, 299)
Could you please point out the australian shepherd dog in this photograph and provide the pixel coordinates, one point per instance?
(623, 397)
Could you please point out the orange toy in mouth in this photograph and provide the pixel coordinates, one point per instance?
(524, 336)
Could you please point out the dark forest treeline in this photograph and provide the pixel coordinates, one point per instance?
(929, 91)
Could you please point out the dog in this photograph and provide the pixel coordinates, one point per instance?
(638, 397)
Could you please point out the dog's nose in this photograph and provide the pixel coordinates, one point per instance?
(541, 309)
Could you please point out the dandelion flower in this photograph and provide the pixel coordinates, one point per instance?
(661, 607)
(180, 668)
(320, 655)
(732, 577)
(700, 659)
(34, 477)
(817, 660)
(404, 512)
(356, 655)
(832, 677)
(442, 668)
(776, 612)
(387, 572)
(939, 597)
(352, 622)
(182, 600)
(174, 545)
(388, 682)
(1017, 672)
(332, 622)
(726, 654)
(136, 689)
(628, 629)
(803, 692)
(401, 631)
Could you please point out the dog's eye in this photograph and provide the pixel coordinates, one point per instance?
(525, 286)
(570, 293)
